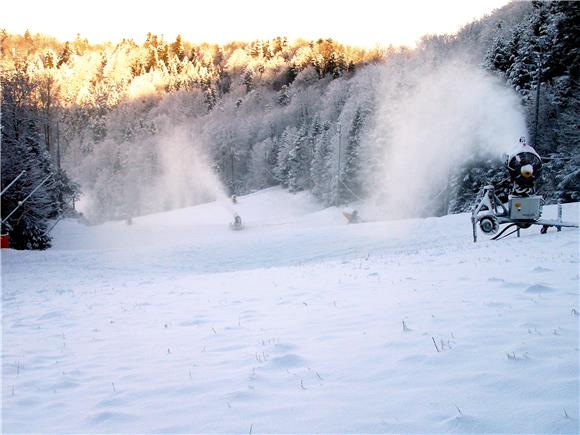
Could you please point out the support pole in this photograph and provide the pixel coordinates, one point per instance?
(20, 203)
(339, 129)
(57, 145)
(538, 85)
(473, 224)
(232, 171)
(13, 181)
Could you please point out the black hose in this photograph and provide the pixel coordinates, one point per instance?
(499, 236)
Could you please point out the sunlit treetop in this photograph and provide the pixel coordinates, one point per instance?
(362, 23)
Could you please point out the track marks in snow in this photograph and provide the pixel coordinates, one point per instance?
(540, 289)
(315, 345)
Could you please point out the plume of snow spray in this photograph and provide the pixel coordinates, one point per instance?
(187, 177)
(432, 122)
(164, 167)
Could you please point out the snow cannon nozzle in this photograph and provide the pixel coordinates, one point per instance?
(527, 171)
(525, 167)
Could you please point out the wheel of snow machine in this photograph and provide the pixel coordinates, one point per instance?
(489, 225)
(524, 225)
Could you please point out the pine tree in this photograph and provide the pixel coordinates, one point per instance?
(163, 53)
(49, 59)
(210, 97)
(267, 50)
(28, 225)
(298, 162)
(320, 169)
(284, 146)
(350, 186)
(248, 79)
(283, 96)
(178, 49)
(152, 59)
(65, 55)
(498, 57)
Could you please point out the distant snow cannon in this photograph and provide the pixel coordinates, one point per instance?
(523, 208)
(351, 215)
(236, 225)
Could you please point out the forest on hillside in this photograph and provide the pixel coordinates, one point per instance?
(140, 128)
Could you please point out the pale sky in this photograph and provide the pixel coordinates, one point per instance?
(355, 22)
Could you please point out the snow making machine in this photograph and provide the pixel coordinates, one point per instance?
(237, 225)
(523, 208)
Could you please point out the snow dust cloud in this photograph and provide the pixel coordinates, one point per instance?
(433, 122)
(186, 175)
(165, 171)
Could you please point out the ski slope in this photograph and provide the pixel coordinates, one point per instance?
(300, 323)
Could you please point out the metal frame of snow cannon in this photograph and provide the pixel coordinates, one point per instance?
(521, 211)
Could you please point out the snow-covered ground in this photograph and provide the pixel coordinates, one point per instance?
(300, 323)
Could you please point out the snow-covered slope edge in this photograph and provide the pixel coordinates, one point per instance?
(300, 323)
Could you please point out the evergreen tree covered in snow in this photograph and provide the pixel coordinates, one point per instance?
(321, 169)
(283, 155)
(350, 186)
(43, 192)
(299, 158)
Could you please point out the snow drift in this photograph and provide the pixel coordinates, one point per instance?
(298, 324)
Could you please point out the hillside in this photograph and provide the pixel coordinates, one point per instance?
(298, 323)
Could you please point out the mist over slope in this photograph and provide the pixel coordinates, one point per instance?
(446, 114)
